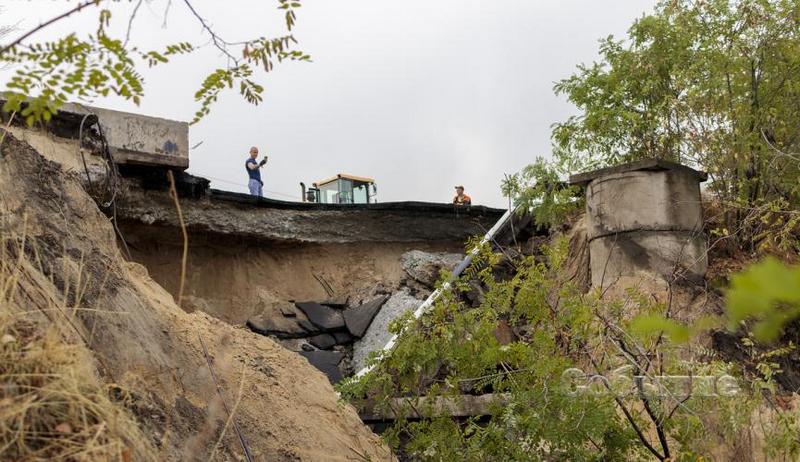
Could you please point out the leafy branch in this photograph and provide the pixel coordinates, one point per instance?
(53, 72)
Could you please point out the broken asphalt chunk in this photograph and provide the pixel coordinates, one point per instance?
(343, 338)
(288, 311)
(358, 318)
(277, 326)
(324, 317)
(327, 362)
(307, 326)
(323, 341)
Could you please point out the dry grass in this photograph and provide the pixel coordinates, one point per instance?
(52, 404)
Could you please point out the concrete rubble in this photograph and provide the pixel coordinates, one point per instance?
(324, 317)
(425, 267)
(355, 330)
(317, 329)
(378, 334)
(360, 329)
(359, 318)
(326, 361)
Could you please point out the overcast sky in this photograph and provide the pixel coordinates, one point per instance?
(419, 94)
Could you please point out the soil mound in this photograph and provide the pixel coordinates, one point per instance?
(69, 273)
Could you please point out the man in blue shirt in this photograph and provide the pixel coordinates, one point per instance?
(255, 184)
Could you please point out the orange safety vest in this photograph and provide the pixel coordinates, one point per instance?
(463, 200)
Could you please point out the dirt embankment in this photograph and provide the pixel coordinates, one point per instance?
(142, 341)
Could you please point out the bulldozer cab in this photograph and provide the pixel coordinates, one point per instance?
(343, 189)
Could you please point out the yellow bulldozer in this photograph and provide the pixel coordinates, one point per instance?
(341, 189)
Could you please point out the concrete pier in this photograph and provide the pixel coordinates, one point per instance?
(644, 218)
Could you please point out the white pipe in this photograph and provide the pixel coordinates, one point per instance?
(428, 303)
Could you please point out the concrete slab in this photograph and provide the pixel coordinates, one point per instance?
(324, 317)
(378, 334)
(322, 341)
(342, 338)
(140, 139)
(307, 326)
(358, 318)
(326, 361)
(278, 326)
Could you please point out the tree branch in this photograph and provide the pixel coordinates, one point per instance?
(218, 41)
(166, 12)
(659, 423)
(41, 26)
(639, 433)
(130, 23)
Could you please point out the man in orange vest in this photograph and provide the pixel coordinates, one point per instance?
(461, 199)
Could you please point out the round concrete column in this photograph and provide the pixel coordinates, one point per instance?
(644, 218)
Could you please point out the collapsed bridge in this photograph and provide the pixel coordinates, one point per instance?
(297, 271)
(326, 280)
(293, 271)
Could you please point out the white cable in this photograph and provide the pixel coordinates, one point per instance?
(428, 303)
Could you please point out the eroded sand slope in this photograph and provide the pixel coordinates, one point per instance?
(143, 341)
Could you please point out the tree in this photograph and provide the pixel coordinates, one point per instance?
(647, 392)
(713, 83)
(50, 73)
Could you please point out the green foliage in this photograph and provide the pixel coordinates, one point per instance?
(539, 189)
(764, 298)
(262, 53)
(713, 84)
(655, 324)
(69, 68)
(769, 293)
(51, 73)
(454, 350)
(649, 325)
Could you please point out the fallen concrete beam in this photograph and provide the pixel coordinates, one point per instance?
(439, 406)
(135, 138)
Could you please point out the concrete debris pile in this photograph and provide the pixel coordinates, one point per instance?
(425, 267)
(322, 331)
(337, 336)
(378, 333)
